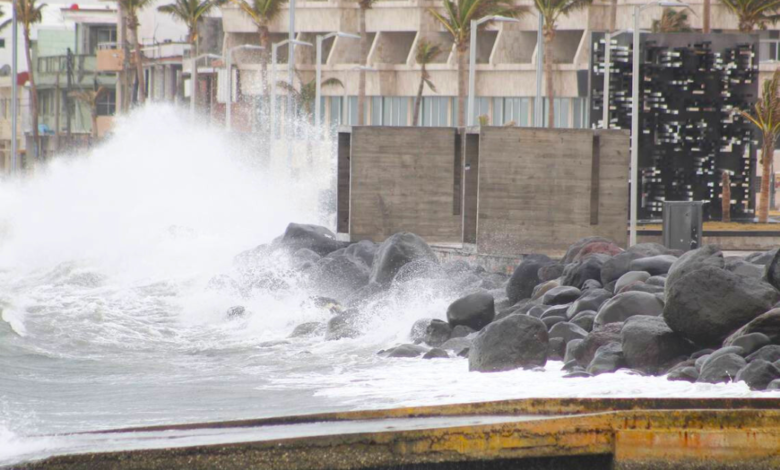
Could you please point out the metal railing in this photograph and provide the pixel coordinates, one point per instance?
(59, 63)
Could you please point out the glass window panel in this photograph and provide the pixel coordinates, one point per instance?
(577, 106)
(335, 111)
(387, 114)
(525, 109)
(352, 108)
(376, 111)
(498, 111)
(444, 104)
(403, 111)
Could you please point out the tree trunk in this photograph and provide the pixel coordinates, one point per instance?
(361, 111)
(548, 71)
(767, 154)
(418, 101)
(726, 197)
(613, 15)
(33, 92)
(139, 64)
(265, 42)
(462, 69)
(706, 14)
(94, 123)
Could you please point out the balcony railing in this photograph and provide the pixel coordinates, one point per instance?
(82, 64)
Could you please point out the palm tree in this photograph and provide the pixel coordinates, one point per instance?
(766, 117)
(262, 13)
(308, 91)
(612, 15)
(131, 8)
(364, 5)
(189, 12)
(426, 53)
(28, 14)
(90, 99)
(672, 22)
(754, 14)
(551, 11)
(457, 21)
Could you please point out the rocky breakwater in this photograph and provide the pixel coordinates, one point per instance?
(695, 316)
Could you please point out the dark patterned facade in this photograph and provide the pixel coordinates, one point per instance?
(692, 86)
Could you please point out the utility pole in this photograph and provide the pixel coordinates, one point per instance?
(69, 84)
(14, 89)
(57, 92)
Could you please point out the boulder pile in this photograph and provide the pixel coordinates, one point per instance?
(696, 316)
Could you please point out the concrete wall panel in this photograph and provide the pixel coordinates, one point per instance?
(402, 179)
(535, 188)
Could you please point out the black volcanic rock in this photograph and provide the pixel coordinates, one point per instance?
(514, 342)
(474, 310)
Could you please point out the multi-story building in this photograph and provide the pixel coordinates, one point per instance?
(66, 63)
(23, 119)
(506, 58)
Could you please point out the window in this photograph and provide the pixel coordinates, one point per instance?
(434, 111)
(768, 50)
(99, 35)
(517, 110)
(395, 111)
(481, 106)
(106, 103)
(2, 43)
(561, 107)
(352, 111)
(580, 112)
(376, 111)
(335, 111)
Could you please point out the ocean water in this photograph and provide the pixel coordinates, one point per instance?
(117, 267)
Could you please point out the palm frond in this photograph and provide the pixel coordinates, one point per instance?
(754, 13)
(430, 84)
(457, 15)
(427, 52)
(332, 82)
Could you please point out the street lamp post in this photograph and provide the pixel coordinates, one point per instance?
(473, 57)
(607, 67)
(194, 78)
(538, 103)
(635, 116)
(14, 88)
(318, 79)
(229, 101)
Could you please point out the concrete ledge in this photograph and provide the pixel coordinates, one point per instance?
(732, 241)
(565, 434)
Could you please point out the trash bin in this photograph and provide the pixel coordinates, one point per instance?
(682, 225)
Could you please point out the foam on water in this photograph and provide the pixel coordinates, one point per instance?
(117, 268)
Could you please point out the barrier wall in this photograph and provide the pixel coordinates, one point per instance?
(402, 179)
(542, 189)
(507, 190)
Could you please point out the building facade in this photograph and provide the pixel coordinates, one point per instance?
(506, 59)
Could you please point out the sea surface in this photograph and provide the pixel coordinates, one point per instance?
(117, 268)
